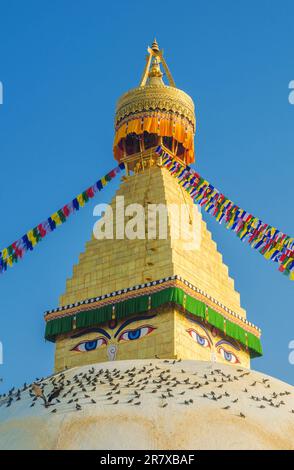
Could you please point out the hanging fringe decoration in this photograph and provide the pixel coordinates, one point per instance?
(11, 254)
(269, 241)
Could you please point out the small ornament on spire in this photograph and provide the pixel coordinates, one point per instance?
(154, 46)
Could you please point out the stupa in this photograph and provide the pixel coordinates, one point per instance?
(152, 346)
(152, 295)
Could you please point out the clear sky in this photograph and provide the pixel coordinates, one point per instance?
(63, 64)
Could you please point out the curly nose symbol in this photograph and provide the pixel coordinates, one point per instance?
(111, 352)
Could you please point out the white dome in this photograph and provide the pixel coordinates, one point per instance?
(153, 404)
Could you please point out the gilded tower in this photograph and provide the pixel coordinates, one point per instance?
(153, 294)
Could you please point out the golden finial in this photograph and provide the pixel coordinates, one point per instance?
(154, 58)
(154, 46)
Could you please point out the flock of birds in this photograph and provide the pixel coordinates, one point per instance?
(65, 392)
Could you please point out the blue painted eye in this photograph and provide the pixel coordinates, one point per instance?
(228, 356)
(131, 335)
(135, 334)
(90, 345)
(201, 340)
(87, 346)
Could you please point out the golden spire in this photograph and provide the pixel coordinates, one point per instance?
(156, 108)
(152, 68)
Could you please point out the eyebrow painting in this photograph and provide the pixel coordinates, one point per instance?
(120, 328)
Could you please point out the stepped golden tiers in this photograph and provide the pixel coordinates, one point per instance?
(152, 296)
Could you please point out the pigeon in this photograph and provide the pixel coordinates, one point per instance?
(54, 394)
(37, 391)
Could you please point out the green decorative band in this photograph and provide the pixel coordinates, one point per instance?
(148, 288)
(137, 305)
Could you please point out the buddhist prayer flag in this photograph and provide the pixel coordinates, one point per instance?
(273, 244)
(12, 253)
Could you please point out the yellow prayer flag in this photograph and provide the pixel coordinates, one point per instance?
(80, 198)
(269, 253)
(287, 263)
(56, 218)
(9, 261)
(31, 237)
(103, 181)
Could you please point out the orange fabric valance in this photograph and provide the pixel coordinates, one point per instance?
(163, 126)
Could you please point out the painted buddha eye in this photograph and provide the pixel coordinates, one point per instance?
(228, 356)
(137, 333)
(87, 346)
(201, 340)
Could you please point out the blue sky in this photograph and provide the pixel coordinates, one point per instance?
(63, 64)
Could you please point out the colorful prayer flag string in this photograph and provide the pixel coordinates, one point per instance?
(10, 255)
(273, 244)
